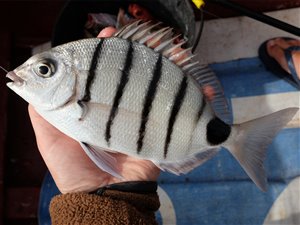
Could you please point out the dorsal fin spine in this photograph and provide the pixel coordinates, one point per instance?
(156, 38)
(126, 28)
(134, 30)
(164, 44)
(173, 48)
(202, 74)
(179, 54)
(152, 35)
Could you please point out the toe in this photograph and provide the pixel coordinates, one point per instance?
(276, 50)
(296, 60)
(285, 43)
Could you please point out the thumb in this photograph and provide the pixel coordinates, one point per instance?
(107, 32)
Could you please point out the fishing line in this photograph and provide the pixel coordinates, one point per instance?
(3, 69)
(201, 27)
(199, 32)
(212, 14)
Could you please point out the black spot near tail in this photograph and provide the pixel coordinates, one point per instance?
(217, 131)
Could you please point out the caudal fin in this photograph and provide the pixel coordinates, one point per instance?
(249, 142)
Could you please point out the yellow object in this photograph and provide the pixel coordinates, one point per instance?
(198, 3)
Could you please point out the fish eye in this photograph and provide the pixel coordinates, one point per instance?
(45, 69)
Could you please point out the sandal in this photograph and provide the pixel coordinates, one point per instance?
(273, 66)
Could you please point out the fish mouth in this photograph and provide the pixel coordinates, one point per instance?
(14, 79)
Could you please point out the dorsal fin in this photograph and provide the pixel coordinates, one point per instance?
(207, 79)
(161, 39)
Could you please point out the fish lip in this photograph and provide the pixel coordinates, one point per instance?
(15, 79)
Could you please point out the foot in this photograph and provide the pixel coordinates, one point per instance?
(276, 47)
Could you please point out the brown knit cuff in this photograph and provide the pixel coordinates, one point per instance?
(112, 208)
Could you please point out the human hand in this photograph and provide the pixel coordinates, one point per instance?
(71, 168)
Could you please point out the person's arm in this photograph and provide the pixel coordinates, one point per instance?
(76, 176)
(123, 203)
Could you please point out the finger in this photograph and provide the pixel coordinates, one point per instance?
(32, 112)
(36, 119)
(107, 32)
(43, 130)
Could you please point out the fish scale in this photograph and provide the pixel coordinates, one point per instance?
(128, 103)
(118, 95)
(166, 90)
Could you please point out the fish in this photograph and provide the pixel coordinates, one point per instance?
(130, 94)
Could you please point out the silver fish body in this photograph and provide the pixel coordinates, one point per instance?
(118, 95)
(121, 94)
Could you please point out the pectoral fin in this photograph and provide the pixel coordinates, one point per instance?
(102, 159)
(83, 109)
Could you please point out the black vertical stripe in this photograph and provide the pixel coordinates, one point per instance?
(91, 74)
(200, 111)
(175, 109)
(151, 92)
(120, 89)
(201, 108)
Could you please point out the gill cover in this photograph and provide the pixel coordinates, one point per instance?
(53, 81)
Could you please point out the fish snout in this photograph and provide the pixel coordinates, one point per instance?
(14, 79)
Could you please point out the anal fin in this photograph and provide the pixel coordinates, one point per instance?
(186, 165)
(102, 159)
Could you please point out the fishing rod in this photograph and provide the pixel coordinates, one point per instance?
(258, 16)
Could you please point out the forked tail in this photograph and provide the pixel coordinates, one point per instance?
(249, 141)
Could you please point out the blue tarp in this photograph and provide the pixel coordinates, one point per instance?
(219, 192)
